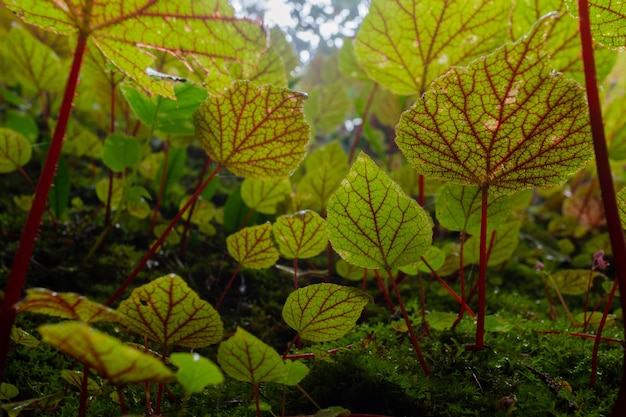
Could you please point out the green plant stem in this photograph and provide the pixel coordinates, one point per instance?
(416, 347)
(609, 199)
(21, 261)
(230, 282)
(161, 239)
(558, 294)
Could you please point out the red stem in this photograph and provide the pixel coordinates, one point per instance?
(482, 275)
(381, 285)
(596, 343)
(82, 407)
(21, 261)
(604, 174)
(464, 306)
(161, 239)
(230, 282)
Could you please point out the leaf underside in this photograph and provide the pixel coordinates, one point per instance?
(301, 235)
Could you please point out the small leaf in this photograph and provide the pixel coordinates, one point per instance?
(116, 362)
(203, 210)
(497, 324)
(167, 311)
(195, 372)
(506, 121)
(372, 223)
(120, 152)
(253, 247)
(334, 411)
(459, 209)
(301, 235)
(574, 281)
(439, 320)
(246, 358)
(264, 196)
(295, 372)
(76, 378)
(254, 131)
(352, 272)
(66, 305)
(15, 150)
(59, 195)
(7, 391)
(117, 191)
(324, 312)
(22, 337)
(45, 403)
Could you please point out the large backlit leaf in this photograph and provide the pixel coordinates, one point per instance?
(115, 361)
(253, 247)
(506, 122)
(607, 22)
(301, 235)
(254, 131)
(324, 312)
(67, 305)
(195, 372)
(264, 196)
(167, 311)
(404, 44)
(459, 208)
(372, 223)
(15, 150)
(246, 358)
(117, 28)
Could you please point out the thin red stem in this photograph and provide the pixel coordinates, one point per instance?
(450, 290)
(82, 403)
(21, 261)
(161, 239)
(230, 282)
(381, 285)
(596, 343)
(482, 275)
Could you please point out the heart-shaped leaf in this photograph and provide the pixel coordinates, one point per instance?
(264, 196)
(66, 305)
(75, 378)
(15, 150)
(115, 361)
(506, 122)
(324, 312)
(120, 152)
(167, 311)
(372, 223)
(301, 235)
(195, 372)
(255, 131)
(404, 45)
(575, 281)
(253, 247)
(7, 391)
(246, 358)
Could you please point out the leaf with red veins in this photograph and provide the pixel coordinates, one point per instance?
(167, 311)
(324, 312)
(372, 223)
(110, 357)
(506, 121)
(301, 235)
(404, 45)
(607, 22)
(264, 196)
(207, 29)
(255, 131)
(65, 305)
(253, 247)
(246, 358)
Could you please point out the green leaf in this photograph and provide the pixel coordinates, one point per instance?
(435, 258)
(502, 246)
(15, 150)
(167, 115)
(372, 223)
(203, 211)
(295, 372)
(497, 324)
(327, 106)
(405, 45)
(208, 31)
(575, 281)
(167, 311)
(270, 69)
(75, 378)
(117, 191)
(22, 337)
(324, 312)
(255, 131)
(506, 122)
(120, 152)
(7, 391)
(253, 247)
(115, 361)
(175, 163)
(301, 235)
(195, 372)
(607, 22)
(621, 205)
(236, 212)
(246, 358)
(45, 403)
(441, 320)
(352, 272)
(459, 209)
(66, 305)
(264, 196)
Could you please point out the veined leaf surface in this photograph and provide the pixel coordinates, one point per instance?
(253, 246)
(195, 372)
(506, 122)
(167, 311)
(115, 361)
(264, 196)
(15, 150)
(372, 223)
(501, 246)
(255, 131)
(607, 22)
(246, 358)
(117, 28)
(66, 305)
(404, 44)
(301, 235)
(324, 312)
